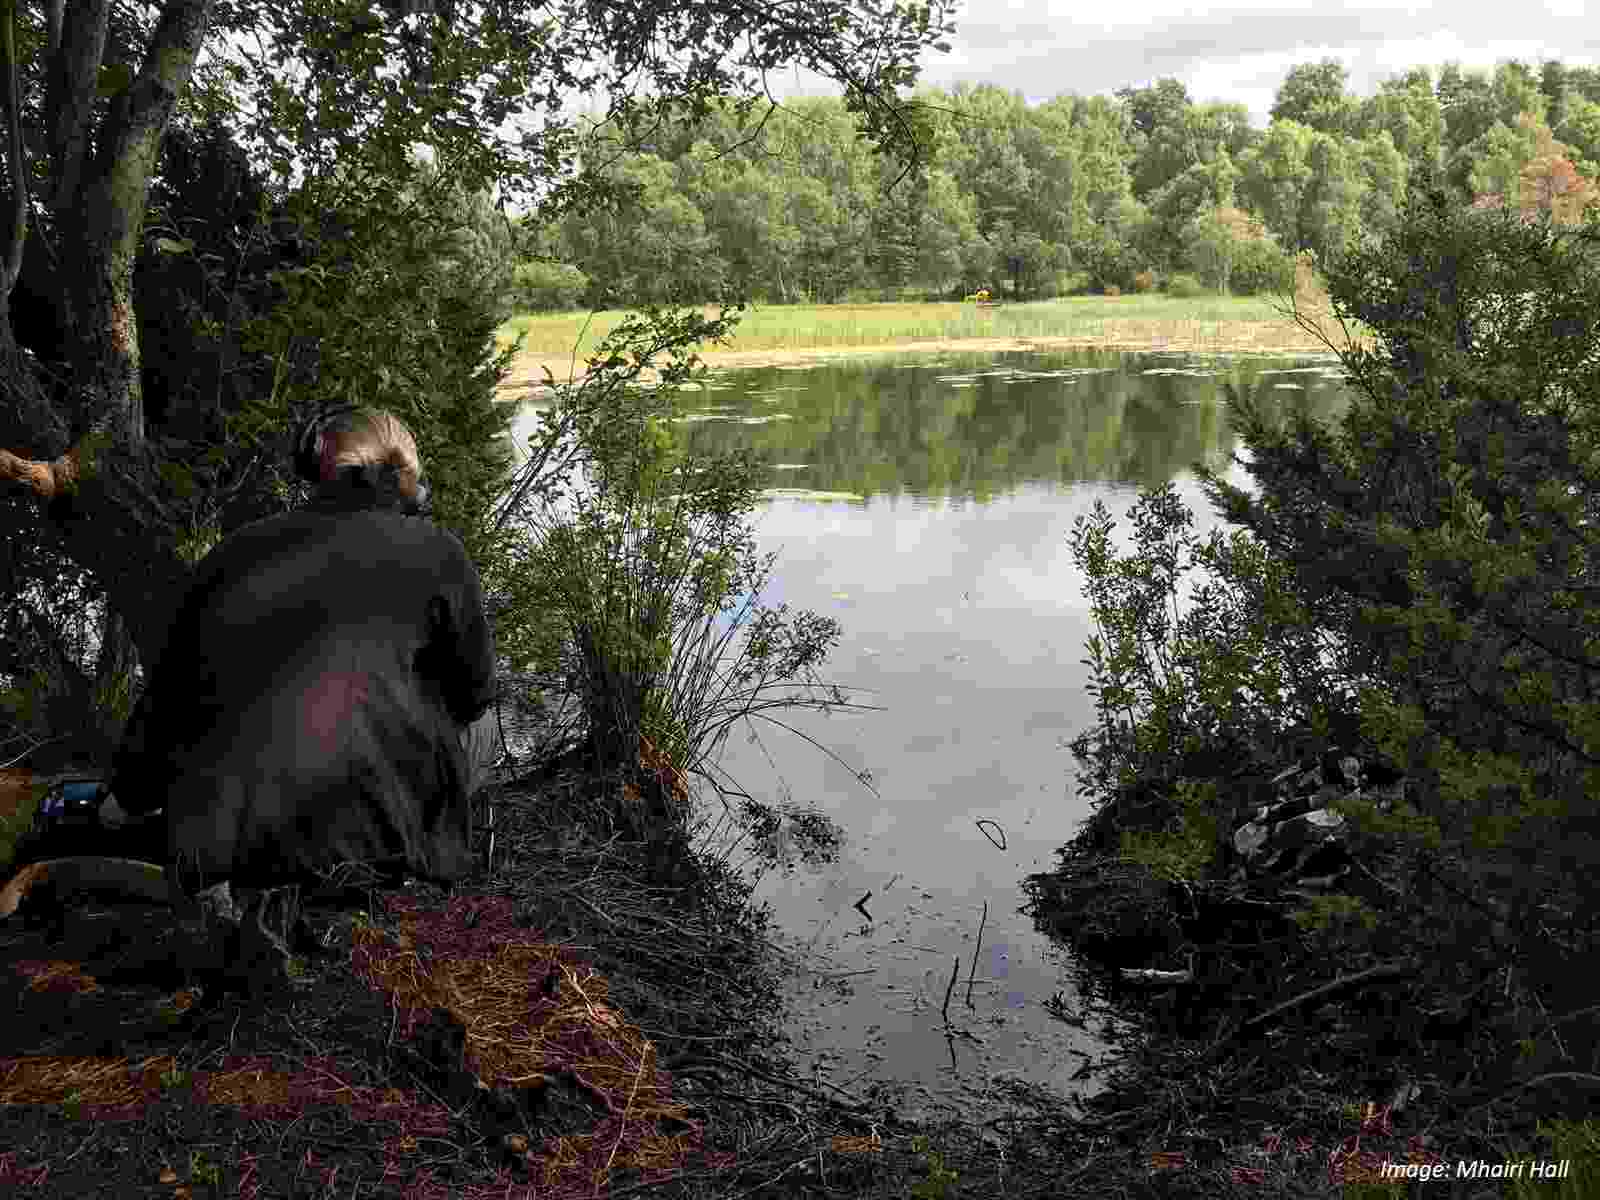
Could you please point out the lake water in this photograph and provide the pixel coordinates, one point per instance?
(925, 503)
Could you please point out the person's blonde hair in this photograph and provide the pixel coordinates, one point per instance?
(371, 438)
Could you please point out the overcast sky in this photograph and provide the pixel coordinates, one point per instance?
(1239, 52)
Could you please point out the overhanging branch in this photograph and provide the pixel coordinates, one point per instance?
(139, 116)
(47, 479)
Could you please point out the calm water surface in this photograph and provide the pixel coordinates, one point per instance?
(925, 503)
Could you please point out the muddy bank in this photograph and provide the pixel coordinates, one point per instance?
(527, 378)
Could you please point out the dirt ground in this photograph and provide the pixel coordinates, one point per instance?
(1242, 337)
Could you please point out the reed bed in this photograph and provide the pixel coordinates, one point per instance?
(802, 327)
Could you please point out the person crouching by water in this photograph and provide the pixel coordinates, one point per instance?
(322, 694)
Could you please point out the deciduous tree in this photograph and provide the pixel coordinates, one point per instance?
(1467, 102)
(1551, 184)
(1498, 157)
(1313, 95)
(1579, 128)
(1553, 86)
(1275, 176)
(1215, 238)
(1408, 110)
(1384, 176)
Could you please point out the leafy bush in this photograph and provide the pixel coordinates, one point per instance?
(437, 368)
(540, 286)
(1110, 262)
(1261, 267)
(1444, 533)
(1181, 855)
(1184, 286)
(1072, 283)
(1235, 670)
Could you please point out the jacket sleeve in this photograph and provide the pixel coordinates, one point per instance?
(131, 758)
(461, 649)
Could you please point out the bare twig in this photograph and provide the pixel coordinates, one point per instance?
(976, 951)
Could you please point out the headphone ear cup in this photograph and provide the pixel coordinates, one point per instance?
(308, 448)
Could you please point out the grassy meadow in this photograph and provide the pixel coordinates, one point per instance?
(1212, 322)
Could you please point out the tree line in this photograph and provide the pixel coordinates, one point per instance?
(1075, 193)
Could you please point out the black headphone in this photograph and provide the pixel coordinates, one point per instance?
(309, 447)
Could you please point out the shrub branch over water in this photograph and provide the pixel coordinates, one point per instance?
(646, 563)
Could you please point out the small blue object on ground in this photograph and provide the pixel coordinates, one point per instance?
(70, 802)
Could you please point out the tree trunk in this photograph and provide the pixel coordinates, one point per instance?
(89, 464)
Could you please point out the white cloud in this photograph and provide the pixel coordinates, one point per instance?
(1242, 51)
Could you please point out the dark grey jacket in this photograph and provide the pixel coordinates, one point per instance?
(308, 705)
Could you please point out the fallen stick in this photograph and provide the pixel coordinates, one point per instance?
(1338, 987)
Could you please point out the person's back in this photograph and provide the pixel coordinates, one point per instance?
(308, 707)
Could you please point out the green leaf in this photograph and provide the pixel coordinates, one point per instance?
(174, 246)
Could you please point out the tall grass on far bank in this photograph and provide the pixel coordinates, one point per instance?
(807, 326)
